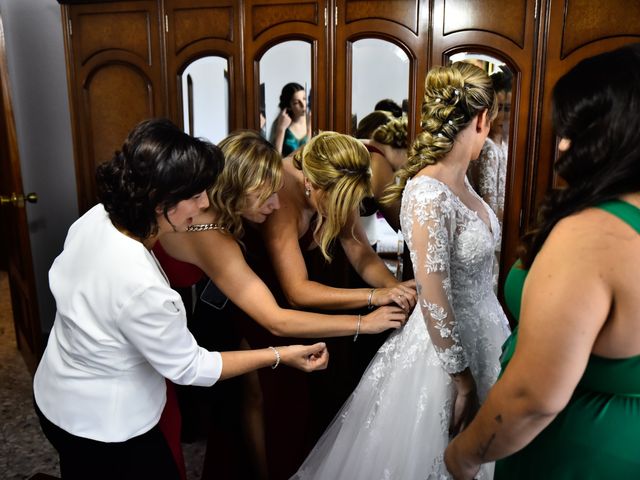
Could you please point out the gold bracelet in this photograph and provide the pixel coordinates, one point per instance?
(275, 365)
(355, 337)
(369, 304)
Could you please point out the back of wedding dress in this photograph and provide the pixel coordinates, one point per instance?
(395, 424)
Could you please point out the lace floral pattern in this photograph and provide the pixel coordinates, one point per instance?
(396, 422)
(488, 175)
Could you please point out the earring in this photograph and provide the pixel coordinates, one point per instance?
(307, 192)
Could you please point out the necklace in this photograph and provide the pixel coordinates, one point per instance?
(201, 227)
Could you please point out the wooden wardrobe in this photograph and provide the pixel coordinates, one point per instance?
(125, 60)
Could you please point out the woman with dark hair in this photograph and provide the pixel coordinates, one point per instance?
(120, 330)
(292, 128)
(425, 382)
(391, 106)
(370, 122)
(567, 405)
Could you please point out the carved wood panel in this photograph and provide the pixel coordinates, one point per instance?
(507, 19)
(267, 15)
(586, 22)
(117, 79)
(402, 12)
(577, 29)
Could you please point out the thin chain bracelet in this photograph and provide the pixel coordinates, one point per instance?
(355, 337)
(275, 365)
(369, 304)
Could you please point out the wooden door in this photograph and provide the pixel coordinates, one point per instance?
(506, 31)
(404, 23)
(197, 29)
(13, 223)
(116, 79)
(266, 24)
(577, 29)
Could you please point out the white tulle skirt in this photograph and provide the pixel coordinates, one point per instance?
(395, 424)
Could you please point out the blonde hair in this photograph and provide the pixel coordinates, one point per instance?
(392, 133)
(251, 164)
(453, 97)
(340, 166)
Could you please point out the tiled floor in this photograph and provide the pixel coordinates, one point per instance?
(24, 451)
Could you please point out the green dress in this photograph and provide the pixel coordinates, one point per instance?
(291, 143)
(597, 435)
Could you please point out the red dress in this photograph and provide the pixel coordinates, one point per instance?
(180, 274)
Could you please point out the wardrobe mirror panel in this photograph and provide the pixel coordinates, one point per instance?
(286, 68)
(488, 174)
(379, 72)
(205, 98)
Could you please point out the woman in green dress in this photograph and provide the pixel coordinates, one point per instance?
(567, 405)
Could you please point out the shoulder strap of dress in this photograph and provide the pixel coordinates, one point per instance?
(626, 212)
(373, 149)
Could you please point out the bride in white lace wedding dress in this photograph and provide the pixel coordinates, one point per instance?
(421, 385)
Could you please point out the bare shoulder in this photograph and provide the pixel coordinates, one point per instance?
(590, 239)
(592, 227)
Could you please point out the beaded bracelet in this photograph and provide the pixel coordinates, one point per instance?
(355, 337)
(369, 304)
(275, 365)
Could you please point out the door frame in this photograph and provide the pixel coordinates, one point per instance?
(13, 224)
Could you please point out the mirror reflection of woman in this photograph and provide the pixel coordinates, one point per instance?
(488, 174)
(292, 127)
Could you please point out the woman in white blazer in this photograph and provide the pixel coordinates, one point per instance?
(120, 330)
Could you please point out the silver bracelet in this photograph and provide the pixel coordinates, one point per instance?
(369, 304)
(277, 353)
(355, 337)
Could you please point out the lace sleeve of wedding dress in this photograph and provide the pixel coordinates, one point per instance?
(433, 227)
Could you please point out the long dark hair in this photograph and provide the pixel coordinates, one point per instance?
(287, 94)
(596, 106)
(158, 166)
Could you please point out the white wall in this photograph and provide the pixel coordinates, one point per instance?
(380, 70)
(35, 55)
(211, 98)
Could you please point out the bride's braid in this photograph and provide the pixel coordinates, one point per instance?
(453, 96)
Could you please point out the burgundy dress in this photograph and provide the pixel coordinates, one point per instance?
(299, 406)
(180, 275)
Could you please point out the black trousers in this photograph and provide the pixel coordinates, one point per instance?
(146, 456)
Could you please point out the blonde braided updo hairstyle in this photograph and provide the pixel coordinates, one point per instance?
(453, 97)
(339, 166)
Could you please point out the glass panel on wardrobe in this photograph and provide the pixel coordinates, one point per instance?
(379, 94)
(379, 81)
(285, 92)
(205, 98)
